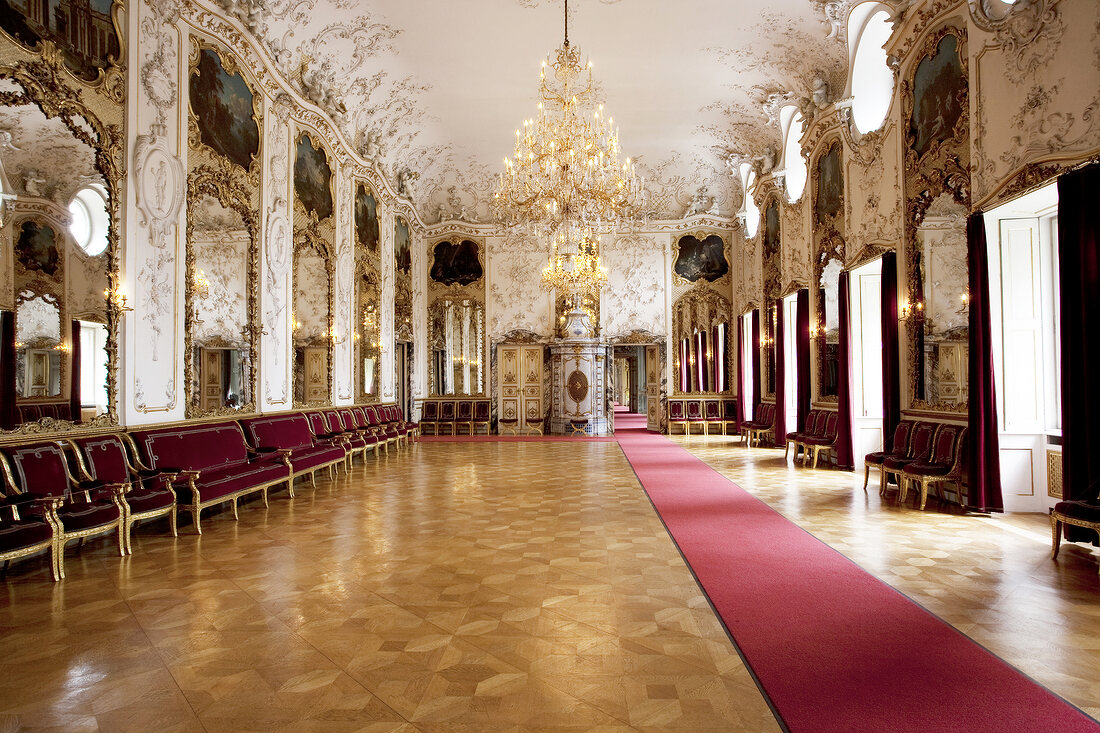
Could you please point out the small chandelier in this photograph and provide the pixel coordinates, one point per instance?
(567, 180)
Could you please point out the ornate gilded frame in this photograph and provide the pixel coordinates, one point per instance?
(110, 81)
(439, 294)
(402, 288)
(943, 168)
(771, 272)
(96, 119)
(828, 243)
(310, 238)
(367, 270)
(219, 182)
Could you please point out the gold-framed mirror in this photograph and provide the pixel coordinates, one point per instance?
(221, 299)
(457, 360)
(772, 270)
(934, 307)
(368, 293)
(60, 172)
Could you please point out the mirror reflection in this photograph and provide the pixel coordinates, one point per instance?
(456, 336)
(312, 344)
(767, 350)
(368, 343)
(56, 224)
(828, 329)
(939, 307)
(220, 245)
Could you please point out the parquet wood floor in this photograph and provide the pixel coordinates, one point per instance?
(488, 586)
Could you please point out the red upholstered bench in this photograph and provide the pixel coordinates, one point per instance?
(147, 495)
(212, 463)
(362, 424)
(677, 416)
(289, 435)
(361, 437)
(382, 432)
(38, 476)
(25, 531)
(1085, 514)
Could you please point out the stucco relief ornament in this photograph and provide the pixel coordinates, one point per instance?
(160, 192)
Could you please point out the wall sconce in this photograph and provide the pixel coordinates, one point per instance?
(117, 300)
(63, 347)
(911, 312)
(965, 305)
(766, 342)
(817, 331)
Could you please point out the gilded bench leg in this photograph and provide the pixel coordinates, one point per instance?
(235, 517)
(172, 522)
(196, 511)
(1056, 536)
(264, 492)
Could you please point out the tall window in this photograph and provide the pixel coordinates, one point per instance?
(89, 226)
(870, 78)
(794, 165)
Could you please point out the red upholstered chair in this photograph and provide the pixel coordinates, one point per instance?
(797, 437)
(39, 475)
(410, 429)
(899, 448)
(1085, 514)
(464, 415)
(510, 424)
(27, 529)
(364, 425)
(447, 416)
(762, 424)
(429, 415)
(347, 434)
(147, 495)
(729, 416)
(694, 408)
(824, 443)
(482, 415)
(920, 451)
(945, 466)
(712, 414)
(676, 415)
(360, 436)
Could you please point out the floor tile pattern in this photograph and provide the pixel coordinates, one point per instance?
(447, 587)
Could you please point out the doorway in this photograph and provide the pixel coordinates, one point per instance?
(866, 377)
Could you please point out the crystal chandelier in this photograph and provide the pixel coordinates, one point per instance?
(567, 180)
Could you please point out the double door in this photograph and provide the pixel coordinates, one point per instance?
(521, 375)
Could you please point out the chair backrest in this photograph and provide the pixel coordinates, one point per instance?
(481, 411)
(675, 409)
(947, 439)
(712, 409)
(920, 448)
(360, 417)
(372, 415)
(695, 409)
(812, 419)
(104, 458)
(902, 433)
(318, 425)
(767, 413)
(447, 411)
(335, 424)
(192, 448)
(387, 413)
(37, 470)
(465, 410)
(832, 421)
(729, 409)
(278, 431)
(430, 410)
(347, 417)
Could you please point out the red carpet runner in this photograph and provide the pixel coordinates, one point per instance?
(833, 648)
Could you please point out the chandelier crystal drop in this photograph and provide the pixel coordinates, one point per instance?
(568, 181)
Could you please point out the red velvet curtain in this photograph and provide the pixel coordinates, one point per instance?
(844, 458)
(1079, 273)
(755, 360)
(740, 369)
(685, 365)
(983, 450)
(803, 317)
(891, 355)
(779, 352)
(7, 370)
(74, 374)
(702, 367)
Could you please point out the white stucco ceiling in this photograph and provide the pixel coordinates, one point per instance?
(443, 85)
